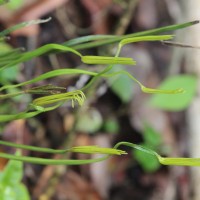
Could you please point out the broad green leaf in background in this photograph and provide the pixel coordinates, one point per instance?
(123, 88)
(121, 85)
(152, 140)
(176, 102)
(12, 174)
(11, 187)
(148, 162)
(21, 192)
(151, 137)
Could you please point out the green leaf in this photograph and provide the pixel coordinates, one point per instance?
(176, 102)
(17, 192)
(152, 140)
(142, 39)
(87, 38)
(107, 60)
(148, 162)
(122, 86)
(151, 137)
(7, 193)
(21, 192)
(145, 38)
(90, 44)
(12, 174)
(23, 24)
(11, 187)
(12, 193)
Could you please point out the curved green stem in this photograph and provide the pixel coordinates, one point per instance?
(79, 149)
(164, 161)
(46, 161)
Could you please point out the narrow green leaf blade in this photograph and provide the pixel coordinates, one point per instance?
(26, 114)
(50, 74)
(143, 33)
(145, 38)
(87, 38)
(48, 48)
(23, 24)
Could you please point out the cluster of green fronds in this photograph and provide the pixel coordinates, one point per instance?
(54, 96)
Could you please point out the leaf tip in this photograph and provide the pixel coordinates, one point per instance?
(195, 22)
